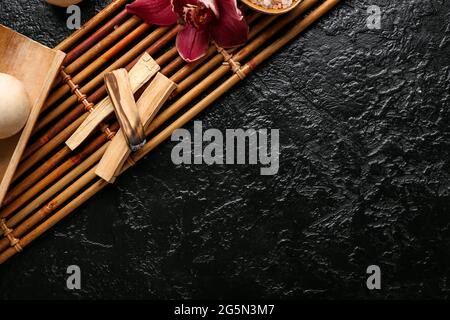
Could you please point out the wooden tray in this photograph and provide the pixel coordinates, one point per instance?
(36, 66)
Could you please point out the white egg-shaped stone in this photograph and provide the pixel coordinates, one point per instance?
(15, 106)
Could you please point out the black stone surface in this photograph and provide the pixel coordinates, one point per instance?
(364, 177)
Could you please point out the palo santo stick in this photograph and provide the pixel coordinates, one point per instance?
(145, 69)
(100, 184)
(125, 108)
(148, 105)
(154, 97)
(139, 75)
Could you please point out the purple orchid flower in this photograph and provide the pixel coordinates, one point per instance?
(202, 20)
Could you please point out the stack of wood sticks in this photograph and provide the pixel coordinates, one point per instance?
(133, 117)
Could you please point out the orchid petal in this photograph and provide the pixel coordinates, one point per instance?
(192, 43)
(211, 4)
(230, 29)
(157, 12)
(178, 6)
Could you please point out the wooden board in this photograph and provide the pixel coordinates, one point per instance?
(36, 66)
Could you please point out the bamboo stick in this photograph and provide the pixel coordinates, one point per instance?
(66, 44)
(56, 187)
(114, 36)
(62, 125)
(35, 175)
(70, 163)
(95, 37)
(86, 51)
(47, 148)
(317, 13)
(92, 41)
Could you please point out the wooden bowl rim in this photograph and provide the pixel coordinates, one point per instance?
(271, 11)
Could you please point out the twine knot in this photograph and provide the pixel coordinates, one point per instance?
(7, 232)
(235, 66)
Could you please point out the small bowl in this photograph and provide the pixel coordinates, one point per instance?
(250, 4)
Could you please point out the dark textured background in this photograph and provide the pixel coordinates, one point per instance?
(364, 177)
